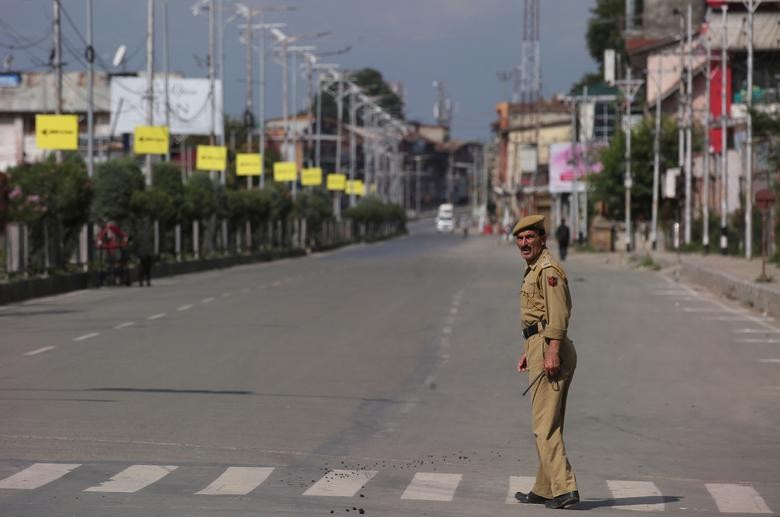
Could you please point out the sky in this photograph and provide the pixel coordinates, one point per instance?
(463, 43)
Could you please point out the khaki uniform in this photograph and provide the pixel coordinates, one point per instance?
(545, 298)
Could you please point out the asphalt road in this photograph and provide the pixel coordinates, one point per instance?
(380, 378)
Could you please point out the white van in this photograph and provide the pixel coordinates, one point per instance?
(445, 221)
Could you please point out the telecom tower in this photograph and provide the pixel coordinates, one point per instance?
(442, 110)
(528, 86)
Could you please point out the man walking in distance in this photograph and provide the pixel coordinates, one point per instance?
(562, 236)
(550, 359)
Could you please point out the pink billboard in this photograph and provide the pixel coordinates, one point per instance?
(566, 161)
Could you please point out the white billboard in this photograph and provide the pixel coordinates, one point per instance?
(566, 161)
(188, 100)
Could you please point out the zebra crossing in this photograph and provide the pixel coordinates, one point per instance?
(643, 496)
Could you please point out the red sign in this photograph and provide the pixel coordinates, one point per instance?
(765, 198)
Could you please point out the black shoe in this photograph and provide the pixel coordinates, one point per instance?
(530, 498)
(563, 500)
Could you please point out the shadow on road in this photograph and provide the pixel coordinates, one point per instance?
(591, 504)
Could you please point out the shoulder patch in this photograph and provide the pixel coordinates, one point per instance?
(555, 267)
(552, 281)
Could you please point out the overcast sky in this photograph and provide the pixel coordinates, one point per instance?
(461, 42)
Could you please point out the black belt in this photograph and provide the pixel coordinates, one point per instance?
(531, 330)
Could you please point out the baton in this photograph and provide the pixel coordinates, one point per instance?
(533, 382)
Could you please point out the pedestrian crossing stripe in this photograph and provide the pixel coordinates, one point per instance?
(424, 486)
(237, 481)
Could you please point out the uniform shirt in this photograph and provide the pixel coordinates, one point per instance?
(545, 297)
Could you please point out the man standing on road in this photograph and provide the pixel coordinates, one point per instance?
(562, 236)
(549, 356)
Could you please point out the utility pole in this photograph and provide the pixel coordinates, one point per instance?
(167, 71)
(628, 87)
(688, 129)
(751, 5)
(724, 165)
(149, 80)
(705, 237)
(90, 55)
(656, 155)
(574, 200)
(212, 88)
(249, 89)
(57, 22)
(352, 142)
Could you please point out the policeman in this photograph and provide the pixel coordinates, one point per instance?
(550, 359)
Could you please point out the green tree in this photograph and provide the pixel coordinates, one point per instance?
(115, 182)
(605, 29)
(200, 198)
(374, 85)
(607, 185)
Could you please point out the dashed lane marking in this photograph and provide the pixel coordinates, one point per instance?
(40, 350)
(227, 295)
(37, 475)
(184, 308)
(207, 300)
(428, 486)
(522, 484)
(340, 483)
(237, 481)
(757, 331)
(133, 479)
(124, 325)
(86, 336)
(757, 340)
(732, 498)
(157, 316)
(770, 361)
(637, 490)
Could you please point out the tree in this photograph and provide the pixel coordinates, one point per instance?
(374, 85)
(604, 29)
(114, 182)
(607, 185)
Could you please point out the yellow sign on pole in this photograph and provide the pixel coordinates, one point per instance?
(336, 181)
(57, 132)
(285, 171)
(211, 158)
(356, 187)
(311, 177)
(248, 164)
(150, 140)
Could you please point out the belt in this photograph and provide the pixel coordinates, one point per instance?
(531, 330)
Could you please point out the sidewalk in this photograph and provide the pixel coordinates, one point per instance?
(733, 277)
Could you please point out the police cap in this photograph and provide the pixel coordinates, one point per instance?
(529, 222)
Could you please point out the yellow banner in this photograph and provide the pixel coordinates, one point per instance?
(356, 187)
(311, 177)
(150, 140)
(336, 181)
(285, 171)
(211, 158)
(57, 132)
(248, 164)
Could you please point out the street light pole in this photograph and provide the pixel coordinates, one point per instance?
(628, 88)
(149, 80)
(724, 242)
(751, 5)
(688, 129)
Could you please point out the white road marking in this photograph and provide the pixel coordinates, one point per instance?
(454, 310)
(773, 361)
(87, 336)
(184, 308)
(244, 290)
(40, 350)
(37, 475)
(277, 283)
(713, 310)
(156, 316)
(757, 331)
(757, 340)
(447, 330)
(341, 483)
(732, 498)
(427, 486)
(124, 325)
(409, 405)
(726, 318)
(519, 484)
(237, 481)
(226, 295)
(207, 300)
(636, 490)
(133, 479)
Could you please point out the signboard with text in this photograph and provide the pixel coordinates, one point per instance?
(60, 132)
(337, 182)
(211, 158)
(311, 177)
(568, 162)
(285, 171)
(150, 140)
(248, 164)
(355, 187)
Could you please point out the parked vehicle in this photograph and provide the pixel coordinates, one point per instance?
(445, 221)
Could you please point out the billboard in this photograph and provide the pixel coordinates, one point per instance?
(188, 100)
(566, 161)
(57, 132)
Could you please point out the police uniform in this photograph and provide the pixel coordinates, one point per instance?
(545, 307)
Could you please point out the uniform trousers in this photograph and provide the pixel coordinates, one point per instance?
(548, 408)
